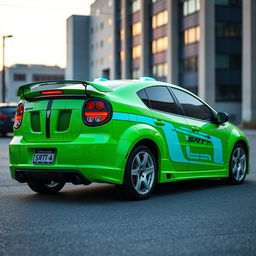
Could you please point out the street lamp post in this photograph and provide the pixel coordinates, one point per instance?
(3, 68)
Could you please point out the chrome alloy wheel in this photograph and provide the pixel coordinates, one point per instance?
(143, 172)
(238, 163)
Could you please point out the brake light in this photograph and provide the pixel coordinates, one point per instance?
(18, 116)
(96, 112)
(51, 92)
(3, 116)
(90, 104)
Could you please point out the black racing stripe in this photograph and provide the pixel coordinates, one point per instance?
(48, 117)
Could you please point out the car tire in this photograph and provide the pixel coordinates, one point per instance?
(140, 174)
(237, 165)
(43, 188)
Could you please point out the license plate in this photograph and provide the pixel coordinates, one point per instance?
(44, 156)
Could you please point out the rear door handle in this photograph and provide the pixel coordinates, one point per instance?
(195, 128)
(159, 122)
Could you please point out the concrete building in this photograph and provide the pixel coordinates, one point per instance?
(196, 44)
(78, 48)
(20, 74)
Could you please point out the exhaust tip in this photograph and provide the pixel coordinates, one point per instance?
(21, 177)
(76, 180)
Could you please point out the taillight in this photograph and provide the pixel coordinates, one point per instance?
(3, 116)
(51, 92)
(18, 116)
(96, 112)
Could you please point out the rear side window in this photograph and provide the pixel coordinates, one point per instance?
(161, 99)
(192, 106)
(143, 96)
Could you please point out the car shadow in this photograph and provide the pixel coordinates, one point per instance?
(108, 194)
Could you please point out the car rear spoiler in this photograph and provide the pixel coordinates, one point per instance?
(48, 85)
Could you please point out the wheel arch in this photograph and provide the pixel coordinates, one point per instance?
(246, 147)
(152, 145)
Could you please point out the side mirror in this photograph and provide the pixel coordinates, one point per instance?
(222, 117)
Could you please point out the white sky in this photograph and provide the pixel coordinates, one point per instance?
(39, 29)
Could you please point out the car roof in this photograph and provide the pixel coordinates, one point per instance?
(115, 85)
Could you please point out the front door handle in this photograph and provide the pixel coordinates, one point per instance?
(195, 128)
(159, 122)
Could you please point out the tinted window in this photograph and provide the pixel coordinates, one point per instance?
(161, 99)
(143, 96)
(192, 106)
(8, 111)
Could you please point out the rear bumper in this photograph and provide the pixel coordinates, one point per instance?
(51, 175)
(102, 160)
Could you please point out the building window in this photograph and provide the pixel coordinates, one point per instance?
(102, 25)
(192, 35)
(190, 65)
(122, 55)
(160, 44)
(190, 6)
(229, 92)
(19, 77)
(122, 34)
(160, 19)
(135, 73)
(109, 3)
(136, 5)
(229, 2)
(136, 28)
(160, 70)
(47, 77)
(228, 29)
(224, 61)
(91, 30)
(110, 57)
(136, 51)
(101, 61)
(110, 39)
(110, 21)
(101, 43)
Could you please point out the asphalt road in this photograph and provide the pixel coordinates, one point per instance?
(202, 217)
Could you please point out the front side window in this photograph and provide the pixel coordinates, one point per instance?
(161, 99)
(192, 106)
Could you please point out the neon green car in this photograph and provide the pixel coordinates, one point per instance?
(132, 133)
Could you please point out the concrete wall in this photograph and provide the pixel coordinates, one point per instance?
(102, 46)
(249, 61)
(78, 47)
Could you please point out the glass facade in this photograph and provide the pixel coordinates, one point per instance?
(191, 35)
(159, 40)
(190, 6)
(159, 19)
(136, 29)
(189, 31)
(160, 44)
(228, 32)
(160, 70)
